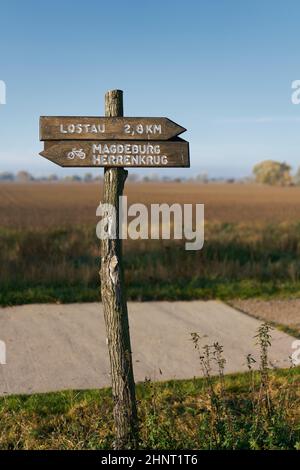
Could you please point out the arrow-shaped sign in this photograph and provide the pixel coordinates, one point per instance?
(108, 128)
(122, 153)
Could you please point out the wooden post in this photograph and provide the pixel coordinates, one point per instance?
(114, 304)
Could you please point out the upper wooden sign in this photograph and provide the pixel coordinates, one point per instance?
(122, 153)
(108, 128)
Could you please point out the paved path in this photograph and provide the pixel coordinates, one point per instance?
(55, 347)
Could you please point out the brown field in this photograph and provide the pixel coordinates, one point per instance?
(38, 205)
(49, 251)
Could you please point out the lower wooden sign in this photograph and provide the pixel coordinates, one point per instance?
(121, 153)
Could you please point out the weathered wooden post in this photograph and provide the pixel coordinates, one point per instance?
(85, 141)
(114, 304)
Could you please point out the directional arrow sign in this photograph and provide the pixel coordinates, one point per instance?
(120, 153)
(108, 128)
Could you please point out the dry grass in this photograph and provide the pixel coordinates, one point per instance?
(173, 415)
(239, 260)
(49, 250)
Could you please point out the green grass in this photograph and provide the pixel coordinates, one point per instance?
(173, 415)
(287, 329)
(206, 290)
(255, 410)
(237, 261)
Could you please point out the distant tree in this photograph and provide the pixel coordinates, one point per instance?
(24, 177)
(73, 178)
(273, 173)
(6, 176)
(296, 178)
(52, 177)
(202, 178)
(98, 178)
(88, 177)
(153, 177)
(133, 177)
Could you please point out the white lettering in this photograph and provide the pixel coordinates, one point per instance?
(196, 235)
(2, 353)
(79, 128)
(128, 154)
(296, 94)
(2, 92)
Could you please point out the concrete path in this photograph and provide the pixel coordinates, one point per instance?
(56, 347)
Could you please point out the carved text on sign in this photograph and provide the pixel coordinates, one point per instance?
(134, 153)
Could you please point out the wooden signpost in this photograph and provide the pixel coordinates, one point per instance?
(108, 128)
(115, 142)
(122, 153)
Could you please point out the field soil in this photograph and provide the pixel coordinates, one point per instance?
(53, 204)
(282, 311)
(49, 251)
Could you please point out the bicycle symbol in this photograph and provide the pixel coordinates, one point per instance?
(76, 154)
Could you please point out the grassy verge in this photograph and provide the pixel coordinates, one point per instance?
(173, 415)
(287, 329)
(255, 410)
(197, 289)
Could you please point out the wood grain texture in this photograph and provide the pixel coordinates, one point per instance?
(115, 307)
(122, 153)
(107, 128)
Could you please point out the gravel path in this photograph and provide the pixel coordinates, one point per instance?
(56, 347)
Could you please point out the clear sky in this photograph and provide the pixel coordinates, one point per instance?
(221, 68)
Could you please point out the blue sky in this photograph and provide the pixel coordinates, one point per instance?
(221, 68)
